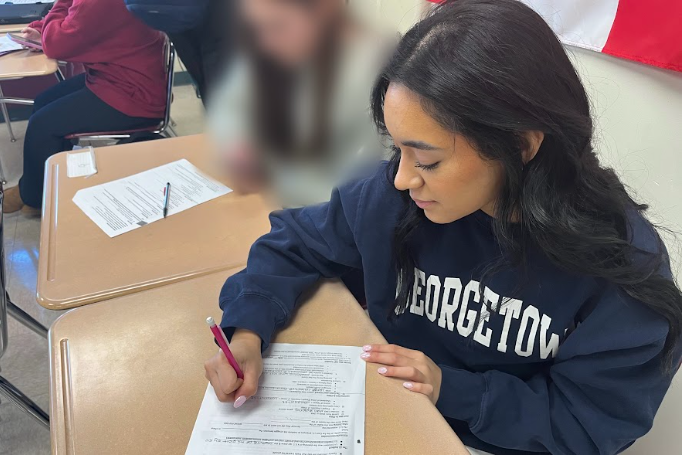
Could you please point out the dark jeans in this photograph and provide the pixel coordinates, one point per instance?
(206, 50)
(67, 108)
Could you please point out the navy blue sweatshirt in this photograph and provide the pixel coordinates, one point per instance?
(568, 364)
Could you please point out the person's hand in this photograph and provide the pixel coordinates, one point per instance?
(243, 167)
(33, 35)
(418, 371)
(245, 347)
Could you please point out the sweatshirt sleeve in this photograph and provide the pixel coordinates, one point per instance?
(600, 394)
(37, 25)
(303, 246)
(59, 9)
(73, 29)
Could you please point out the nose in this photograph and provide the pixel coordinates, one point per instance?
(407, 177)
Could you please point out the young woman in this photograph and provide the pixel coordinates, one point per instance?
(123, 88)
(292, 115)
(535, 306)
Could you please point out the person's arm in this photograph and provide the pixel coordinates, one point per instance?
(600, 395)
(59, 9)
(229, 128)
(75, 29)
(303, 246)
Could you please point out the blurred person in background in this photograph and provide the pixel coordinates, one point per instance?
(292, 115)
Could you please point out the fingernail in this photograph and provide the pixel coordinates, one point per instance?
(367, 347)
(383, 370)
(239, 401)
(364, 355)
(408, 385)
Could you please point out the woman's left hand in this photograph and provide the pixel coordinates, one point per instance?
(418, 371)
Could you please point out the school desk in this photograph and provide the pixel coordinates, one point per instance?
(18, 65)
(127, 375)
(80, 264)
(6, 28)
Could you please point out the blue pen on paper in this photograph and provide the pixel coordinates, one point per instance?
(166, 198)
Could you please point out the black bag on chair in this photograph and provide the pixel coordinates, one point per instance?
(169, 16)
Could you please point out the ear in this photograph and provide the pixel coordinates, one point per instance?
(534, 140)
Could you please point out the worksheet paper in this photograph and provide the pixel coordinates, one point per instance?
(311, 400)
(129, 203)
(7, 45)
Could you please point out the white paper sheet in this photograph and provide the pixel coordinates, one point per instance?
(311, 400)
(126, 204)
(7, 45)
(81, 164)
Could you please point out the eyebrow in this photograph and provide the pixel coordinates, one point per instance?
(420, 145)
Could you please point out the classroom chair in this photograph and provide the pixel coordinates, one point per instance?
(7, 389)
(165, 128)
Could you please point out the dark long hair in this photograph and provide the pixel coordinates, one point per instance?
(275, 87)
(493, 70)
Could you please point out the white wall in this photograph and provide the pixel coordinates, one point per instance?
(638, 110)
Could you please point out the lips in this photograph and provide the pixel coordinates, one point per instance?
(423, 204)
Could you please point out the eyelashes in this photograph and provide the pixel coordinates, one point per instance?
(426, 167)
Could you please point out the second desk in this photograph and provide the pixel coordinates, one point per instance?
(80, 264)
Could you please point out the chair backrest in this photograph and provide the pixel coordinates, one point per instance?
(169, 59)
(170, 80)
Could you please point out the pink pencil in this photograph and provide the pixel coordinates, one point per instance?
(222, 342)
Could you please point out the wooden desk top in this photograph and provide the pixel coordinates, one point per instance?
(80, 264)
(20, 64)
(6, 28)
(127, 375)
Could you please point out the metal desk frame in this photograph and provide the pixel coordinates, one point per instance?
(8, 307)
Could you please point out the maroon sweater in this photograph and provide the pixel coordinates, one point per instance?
(123, 58)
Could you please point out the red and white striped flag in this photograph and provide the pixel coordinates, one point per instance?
(647, 31)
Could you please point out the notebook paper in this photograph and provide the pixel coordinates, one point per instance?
(7, 45)
(129, 203)
(310, 401)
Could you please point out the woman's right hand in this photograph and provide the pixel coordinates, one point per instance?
(31, 34)
(246, 348)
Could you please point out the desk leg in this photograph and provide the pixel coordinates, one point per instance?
(5, 113)
(25, 403)
(6, 306)
(26, 319)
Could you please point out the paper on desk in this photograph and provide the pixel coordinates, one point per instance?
(129, 203)
(311, 400)
(7, 45)
(81, 164)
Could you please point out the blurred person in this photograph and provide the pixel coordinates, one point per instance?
(292, 115)
(123, 87)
